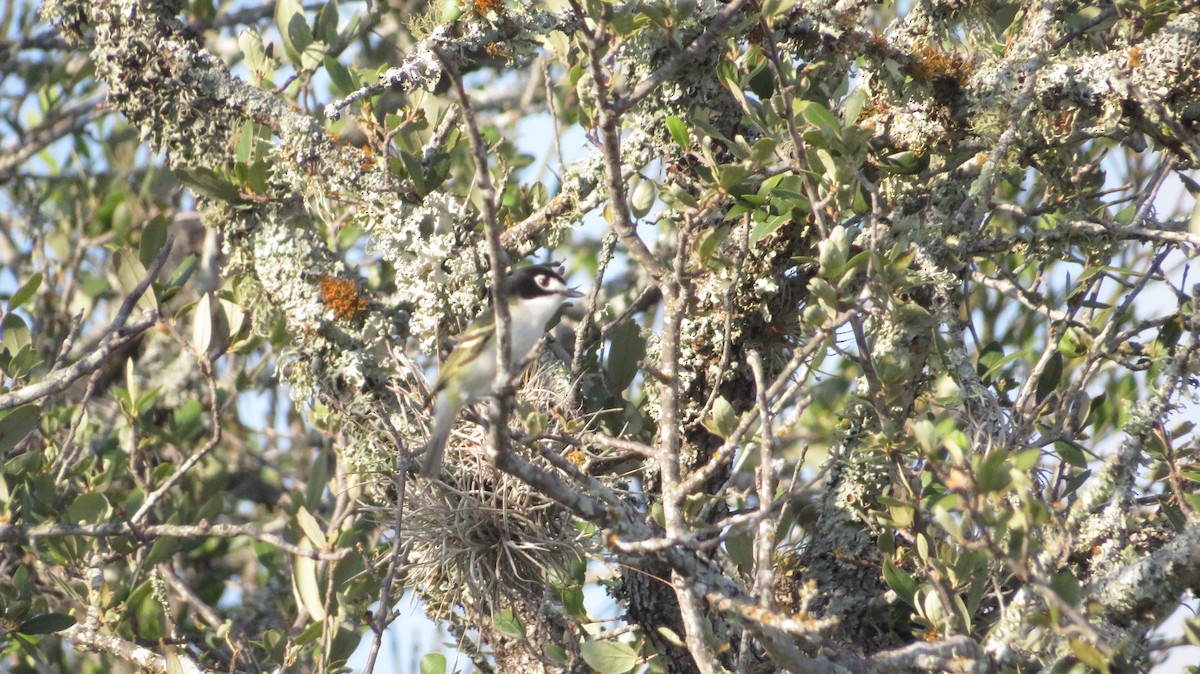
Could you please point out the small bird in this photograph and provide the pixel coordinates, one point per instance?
(534, 294)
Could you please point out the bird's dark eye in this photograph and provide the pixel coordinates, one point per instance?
(543, 281)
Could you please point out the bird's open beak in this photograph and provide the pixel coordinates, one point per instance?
(571, 292)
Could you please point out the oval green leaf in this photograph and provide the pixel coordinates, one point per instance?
(46, 623)
(609, 656)
(679, 132)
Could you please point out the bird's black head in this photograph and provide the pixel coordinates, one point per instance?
(538, 281)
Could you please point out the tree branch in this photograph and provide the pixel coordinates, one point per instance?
(88, 639)
(118, 335)
(25, 533)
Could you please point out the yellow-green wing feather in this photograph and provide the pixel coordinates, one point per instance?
(472, 342)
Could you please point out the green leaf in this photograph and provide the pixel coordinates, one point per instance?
(174, 665)
(723, 420)
(904, 163)
(730, 78)
(1089, 655)
(161, 550)
(1026, 460)
(130, 273)
(642, 199)
(22, 363)
(626, 348)
(711, 240)
(154, 236)
(1050, 378)
(46, 623)
(570, 572)
(433, 663)
(23, 464)
(671, 636)
(327, 22)
(308, 586)
(22, 295)
(556, 653)
(833, 253)
(1072, 454)
(312, 528)
(679, 132)
(210, 183)
(343, 80)
(572, 601)
(762, 81)
(899, 580)
(16, 333)
(1191, 629)
(89, 508)
(509, 624)
(677, 197)
(309, 634)
(730, 178)
(184, 271)
(741, 552)
(609, 656)
(819, 116)
(853, 105)
(772, 8)
(769, 226)
(16, 424)
(992, 474)
(251, 44)
(450, 11)
(293, 28)
(416, 173)
(1066, 585)
(202, 324)
(763, 150)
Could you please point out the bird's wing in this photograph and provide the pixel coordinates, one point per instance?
(472, 342)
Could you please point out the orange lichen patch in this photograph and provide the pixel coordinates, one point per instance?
(1135, 56)
(1064, 121)
(577, 457)
(879, 41)
(497, 50)
(484, 6)
(342, 296)
(929, 63)
(368, 158)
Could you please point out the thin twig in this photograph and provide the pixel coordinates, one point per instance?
(143, 658)
(383, 616)
(607, 248)
(215, 412)
(500, 312)
(118, 335)
(18, 533)
(610, 135)
(715, 31)
(727, 450)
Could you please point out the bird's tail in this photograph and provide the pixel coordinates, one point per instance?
(439, 435)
